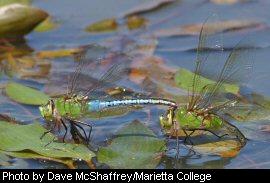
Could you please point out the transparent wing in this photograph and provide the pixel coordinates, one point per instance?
(117, 71)
(86, 58)
(97, 68)
(210, 56)
(236, 71)
(208, 43)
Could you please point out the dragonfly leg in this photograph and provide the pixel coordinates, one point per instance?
(219, 136)
(49, 131)
(75, 131)
(45, 133)
(65, 126)
(90, 129)
(50, 142)
(76, 135)
(188, 136)
(235, 131)
(85, 138)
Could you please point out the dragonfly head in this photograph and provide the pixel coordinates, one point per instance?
(46, 110)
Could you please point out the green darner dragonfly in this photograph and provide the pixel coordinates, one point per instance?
(207, 101)
(77, 103)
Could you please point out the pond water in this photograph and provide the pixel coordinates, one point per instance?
(177, 51)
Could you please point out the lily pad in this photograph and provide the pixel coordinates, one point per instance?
(25, 95)
(183, 79)
(226, 148)
(136, 22)
(57, 53)
(107, 25)
(24, 140)
(135, 146)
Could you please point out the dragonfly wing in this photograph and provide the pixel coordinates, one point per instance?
(94, 65)
(208, 43)
(210, 54)
(236, 70)
(118, 70)
(89, 55)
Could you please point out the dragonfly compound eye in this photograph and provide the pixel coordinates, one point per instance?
(46, 111)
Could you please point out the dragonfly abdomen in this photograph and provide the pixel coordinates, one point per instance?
(97, 105)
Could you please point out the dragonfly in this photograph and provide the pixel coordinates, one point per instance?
(207, 103)
(78, 103)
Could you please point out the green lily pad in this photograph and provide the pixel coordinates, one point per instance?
(183, 79)
(24, 140)
(135, 146)
(25, 95)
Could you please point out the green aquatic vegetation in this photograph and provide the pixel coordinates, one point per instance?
(25, 95)
(24, 141)
(183, 79)
(133, 146)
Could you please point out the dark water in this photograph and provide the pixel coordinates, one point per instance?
(74, 16)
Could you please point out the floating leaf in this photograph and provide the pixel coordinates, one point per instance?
(57, 53)
(226, 148)
(183, 79)
(154, 68)
(136, 22)
(146, 7)
(25, 95)
(211, 28)
(18, 19)
(46, 25)
(135, 146)
(107, 25)
(25, 141)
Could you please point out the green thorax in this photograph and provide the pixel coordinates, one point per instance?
(189, 120)
(74, 107)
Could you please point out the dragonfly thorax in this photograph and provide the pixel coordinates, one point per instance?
(73, 106)
(190, 120)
